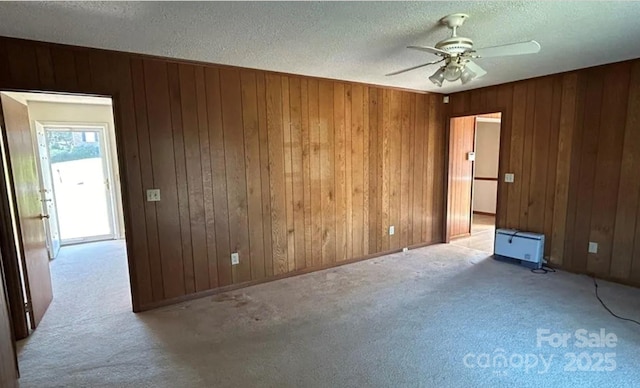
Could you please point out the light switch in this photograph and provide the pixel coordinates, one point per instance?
(508, 177)
(471, 156)
(153, 195)
(593, 247)
(392, 230)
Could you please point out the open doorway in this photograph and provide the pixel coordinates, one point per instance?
(474, 154)
(63, 184)
(76, 176)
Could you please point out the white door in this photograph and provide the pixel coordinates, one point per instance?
(48, 198)
(80, 173)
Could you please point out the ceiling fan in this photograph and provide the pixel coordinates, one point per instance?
(457, 53)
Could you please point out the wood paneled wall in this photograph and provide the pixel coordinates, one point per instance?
(294, 173)
(573, 142)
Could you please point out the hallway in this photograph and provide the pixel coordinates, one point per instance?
(483, 230)
(90, 284)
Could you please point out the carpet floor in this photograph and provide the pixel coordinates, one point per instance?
(435, 316)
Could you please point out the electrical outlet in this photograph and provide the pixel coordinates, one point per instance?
(508, 177)
(593, 247)
(392, 230)
(405, 249)
(153, 195)
(235, 258)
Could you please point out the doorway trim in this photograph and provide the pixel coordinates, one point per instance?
(105, 148)
(9, 250)
(501, 165)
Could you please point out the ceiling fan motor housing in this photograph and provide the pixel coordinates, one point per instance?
(455, 45)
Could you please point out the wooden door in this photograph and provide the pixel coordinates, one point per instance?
(460, 182)
(8, 360)
(29, 217)
(8, 247)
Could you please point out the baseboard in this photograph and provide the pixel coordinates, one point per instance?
(233, 287)
(484, 213)
(626, 282)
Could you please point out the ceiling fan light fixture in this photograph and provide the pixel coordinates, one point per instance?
(458, 54)
(467, 75)
(438, 76)
(452, 73)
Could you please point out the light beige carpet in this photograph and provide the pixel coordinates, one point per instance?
(403, 320)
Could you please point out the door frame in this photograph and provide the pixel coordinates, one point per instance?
(501, 164)
(102, 128)
(8, 248)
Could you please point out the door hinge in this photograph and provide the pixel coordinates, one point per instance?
(28, 307)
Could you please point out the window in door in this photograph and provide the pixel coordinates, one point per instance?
(79, 169)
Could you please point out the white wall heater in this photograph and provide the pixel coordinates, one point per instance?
(524, 246)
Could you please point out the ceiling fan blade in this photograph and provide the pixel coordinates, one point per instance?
(431, 50)
(530, 47)
(479, 71)
(413, 68)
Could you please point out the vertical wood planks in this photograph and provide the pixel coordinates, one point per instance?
(139, 95)
(395, 165)
(261, 96)
(515, 153)
(327, 181)
(314, 173)
(608, 163)
(357, 169)
(231, 106)
(195, 211)
(181, 178)
(587, 168)
(306, 173)
(539, 155)
(164, 177)
(292, 172)
(374, 171)
(295, 98)
(288, 173)
(340, 172)
(385, 159)
(567, 123)
(626, 232)
(417, 163)
(221, 263)
(277, 174)
(251, 130)
(404, 170)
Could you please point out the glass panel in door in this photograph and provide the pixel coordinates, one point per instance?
(80, 183)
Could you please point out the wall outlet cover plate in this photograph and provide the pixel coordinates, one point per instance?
(153, 195)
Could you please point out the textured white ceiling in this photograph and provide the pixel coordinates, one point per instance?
(357, 41)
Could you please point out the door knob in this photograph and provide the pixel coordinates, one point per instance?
(43, 216)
